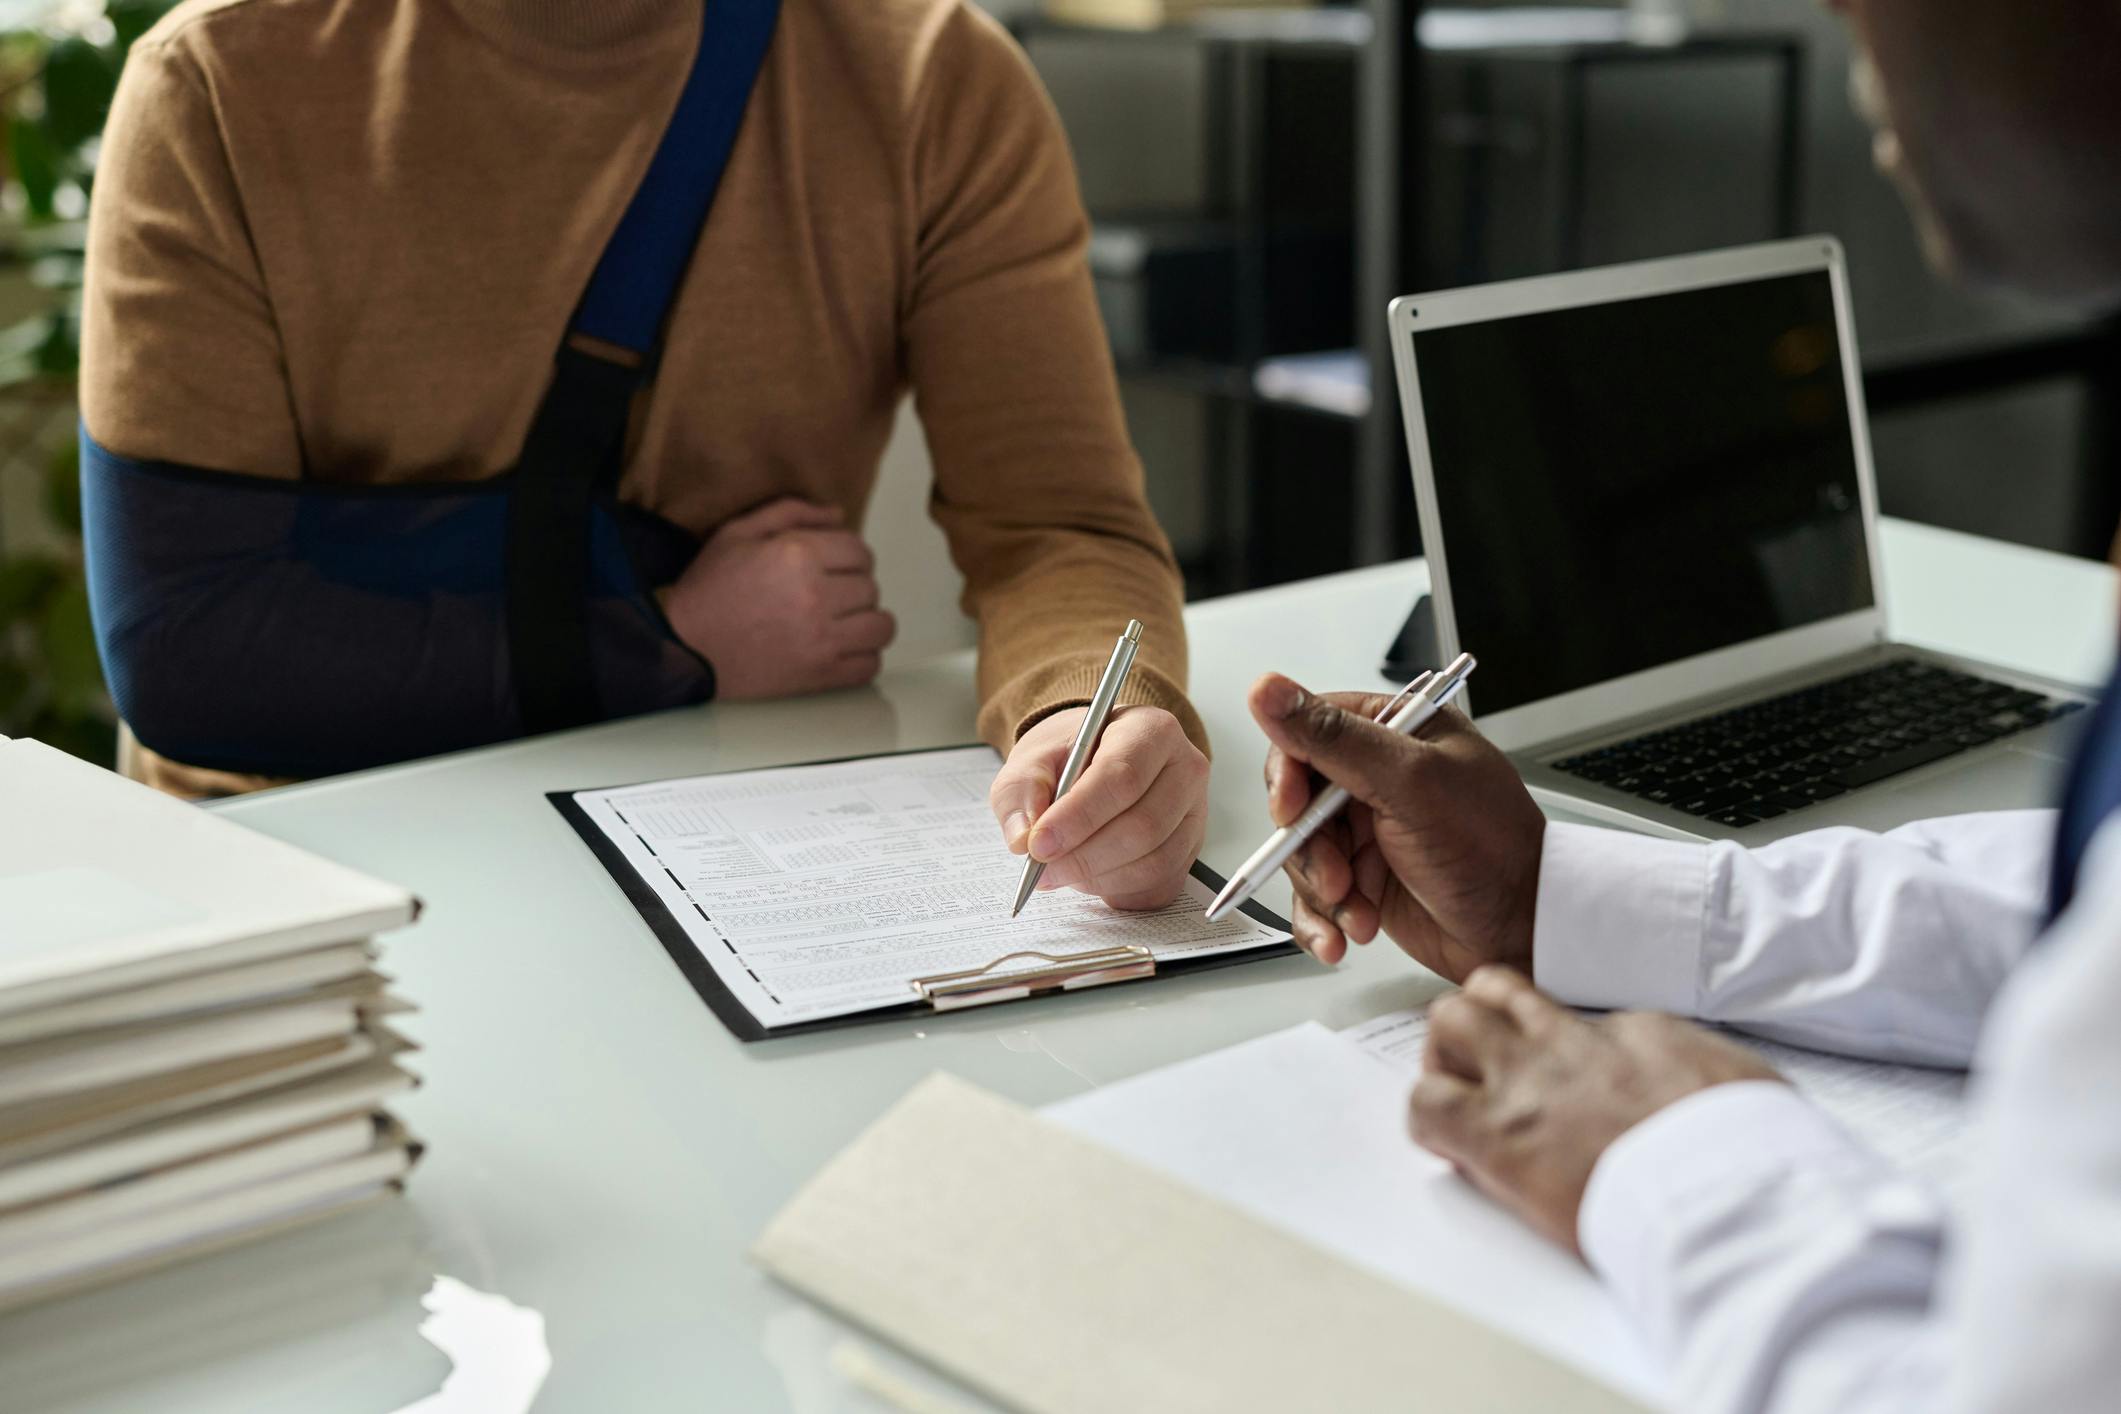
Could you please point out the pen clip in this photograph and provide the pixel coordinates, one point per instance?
(1400, 698)
(976, 986)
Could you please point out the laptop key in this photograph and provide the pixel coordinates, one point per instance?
(1895, 762)
(1733, 816)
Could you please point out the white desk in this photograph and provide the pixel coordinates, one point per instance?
(602, 1151)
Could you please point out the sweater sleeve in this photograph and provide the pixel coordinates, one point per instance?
(180, 355)
(1036, 484)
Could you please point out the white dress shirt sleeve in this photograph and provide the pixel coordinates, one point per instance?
(1775, 1264)
(1889, 946)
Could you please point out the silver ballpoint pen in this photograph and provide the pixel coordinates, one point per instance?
(1108, 686)
(1423, 698)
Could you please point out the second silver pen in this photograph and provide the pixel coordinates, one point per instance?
(1433, 697)
(1116, 670)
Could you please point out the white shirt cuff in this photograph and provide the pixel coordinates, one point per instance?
(1715, 1146)
(1620, 919)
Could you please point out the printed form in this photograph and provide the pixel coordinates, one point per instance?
(825, 890)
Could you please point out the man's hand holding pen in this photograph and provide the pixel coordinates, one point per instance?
(1131, 826)
(1439, 848)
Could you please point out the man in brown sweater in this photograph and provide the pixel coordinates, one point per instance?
(340, 240)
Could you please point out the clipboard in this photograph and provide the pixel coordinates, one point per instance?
(1048, 970)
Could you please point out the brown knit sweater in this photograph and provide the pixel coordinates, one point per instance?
(341, 239)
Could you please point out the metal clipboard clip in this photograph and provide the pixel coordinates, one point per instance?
(977, 986)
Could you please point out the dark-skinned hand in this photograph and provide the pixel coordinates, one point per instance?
(1439, 848)
(1523, 1095)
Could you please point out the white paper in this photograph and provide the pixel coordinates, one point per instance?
(1302, 1130)
(1914, 1116)
(825, 890)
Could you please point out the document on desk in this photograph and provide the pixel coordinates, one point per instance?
(802, 895)
(1304, 1132)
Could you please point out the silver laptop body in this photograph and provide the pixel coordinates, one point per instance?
(1648, 507)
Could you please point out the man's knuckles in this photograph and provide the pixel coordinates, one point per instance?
(1439, 1111)
(793, 557)
(1497, 985)
(1473, 1028)
(1320, 724)
(1129, 774)
(1130, 836)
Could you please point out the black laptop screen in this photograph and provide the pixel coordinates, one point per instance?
(1635, 482)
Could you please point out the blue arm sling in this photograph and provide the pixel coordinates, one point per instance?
(299, 628)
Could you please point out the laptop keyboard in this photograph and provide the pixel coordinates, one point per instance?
(1769, 758)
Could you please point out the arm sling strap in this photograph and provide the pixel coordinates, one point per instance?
(303, 628)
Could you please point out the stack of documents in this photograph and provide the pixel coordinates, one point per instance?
(194, 1047)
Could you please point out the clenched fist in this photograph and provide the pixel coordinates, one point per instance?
(782, 600)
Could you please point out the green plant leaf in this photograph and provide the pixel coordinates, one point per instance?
(87, 735)
(60, 270)
(66, 636)
(133, 18)
(26, 581)
(59, 352)
(62, 487)
(36, 166)
(14, 697)
(79, 80)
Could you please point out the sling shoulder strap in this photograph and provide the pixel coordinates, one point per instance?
(578, 436)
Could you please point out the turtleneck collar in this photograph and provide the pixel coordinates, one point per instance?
(580, 26)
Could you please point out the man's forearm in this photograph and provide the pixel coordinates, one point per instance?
(1886, 945)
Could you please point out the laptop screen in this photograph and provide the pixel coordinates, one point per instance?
(1626, 484)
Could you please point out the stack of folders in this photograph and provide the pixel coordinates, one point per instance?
(195, 1043)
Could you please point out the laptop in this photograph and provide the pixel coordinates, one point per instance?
(1647, 503)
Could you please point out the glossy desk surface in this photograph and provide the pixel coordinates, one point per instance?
(602, 1151)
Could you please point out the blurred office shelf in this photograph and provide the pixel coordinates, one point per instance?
(1335, 383)
(1511, 29)
(1203, 377)
(1276, 27)
(1931, 377)
(1170, 287)
(1295, 438)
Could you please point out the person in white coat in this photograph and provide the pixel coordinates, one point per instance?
(1770, 1259)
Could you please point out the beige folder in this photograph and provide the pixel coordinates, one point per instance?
(1054, 1275)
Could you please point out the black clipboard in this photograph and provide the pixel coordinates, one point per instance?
(738, 1018)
